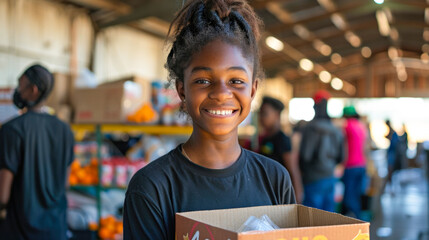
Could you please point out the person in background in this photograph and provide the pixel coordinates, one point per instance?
(275, 144)
(296, 143)
(354, 177)
(214, 64)
(36, 150)
(321, 150)
(396, 153)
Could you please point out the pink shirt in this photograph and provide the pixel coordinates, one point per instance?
(356, 134)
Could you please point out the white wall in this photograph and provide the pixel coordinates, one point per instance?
(122, 51)
(39, 31)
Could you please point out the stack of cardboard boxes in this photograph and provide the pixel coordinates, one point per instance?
(107, 103)
(110, 102)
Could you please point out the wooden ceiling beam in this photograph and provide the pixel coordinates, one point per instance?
(153, 8)
(114, 6)
(324, 34)
(419, 4)
(262, 4)
(354, 6)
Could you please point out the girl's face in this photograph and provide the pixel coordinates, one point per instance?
(218, 88)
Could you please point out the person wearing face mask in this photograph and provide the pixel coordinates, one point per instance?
(36, 150)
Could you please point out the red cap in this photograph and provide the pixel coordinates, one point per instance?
(320, 95)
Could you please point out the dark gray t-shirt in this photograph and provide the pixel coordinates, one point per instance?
(321, 149)
(174, 184)
(37, 148)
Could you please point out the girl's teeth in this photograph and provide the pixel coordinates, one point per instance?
(221, 112)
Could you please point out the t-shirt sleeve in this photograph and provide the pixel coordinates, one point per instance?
(10, 146)
(289, 193)
(142, 218)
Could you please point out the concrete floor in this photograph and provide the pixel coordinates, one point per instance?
(402, 212)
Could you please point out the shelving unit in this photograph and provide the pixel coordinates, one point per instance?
(80, 130)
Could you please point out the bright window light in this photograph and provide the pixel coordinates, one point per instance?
(335, 107)
(301, 109)
(274, 43)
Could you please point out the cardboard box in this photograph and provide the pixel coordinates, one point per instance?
(144, 83)
(108, 103)
(297, 222)
(62, 91)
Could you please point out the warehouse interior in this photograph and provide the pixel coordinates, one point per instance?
(108, 60)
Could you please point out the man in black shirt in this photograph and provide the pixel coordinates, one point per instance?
(275, 144)
(35, 152)
(174, 184)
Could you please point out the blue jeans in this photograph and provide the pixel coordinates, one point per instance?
(354, 185)
(320, 194)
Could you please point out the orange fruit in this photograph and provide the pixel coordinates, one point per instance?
(119, 227)
(80, 174)
(104, 233)
(94, 162)
(75, 165)
(111, 227)
(73, 179)
(86, 180)
(109, 219)
(93, 226)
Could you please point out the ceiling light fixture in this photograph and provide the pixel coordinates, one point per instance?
(338, 21)
(424, 57)
(426, 34)
(393, 53)
(427, 15)
(366, 52)
(402, 75)
(301, 31)
(383, 23)
(274, 43)
(425, 48)
(327, 4)
(337, 83)
(352, 38)
(326, 50)
(379, 1)
(322, 47)
(336, 58)
(306, 64)
(325, 76)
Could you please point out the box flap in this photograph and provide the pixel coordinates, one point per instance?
(309, 217)
(232, 219)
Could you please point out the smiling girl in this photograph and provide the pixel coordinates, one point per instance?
(214, 63)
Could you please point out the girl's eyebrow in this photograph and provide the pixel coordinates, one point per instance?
(198, 69)
(207, 69)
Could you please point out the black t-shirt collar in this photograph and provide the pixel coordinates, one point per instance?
(200, 170)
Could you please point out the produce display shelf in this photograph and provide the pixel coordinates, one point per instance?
(81, 129)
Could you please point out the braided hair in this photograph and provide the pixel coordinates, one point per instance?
(200, 22)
